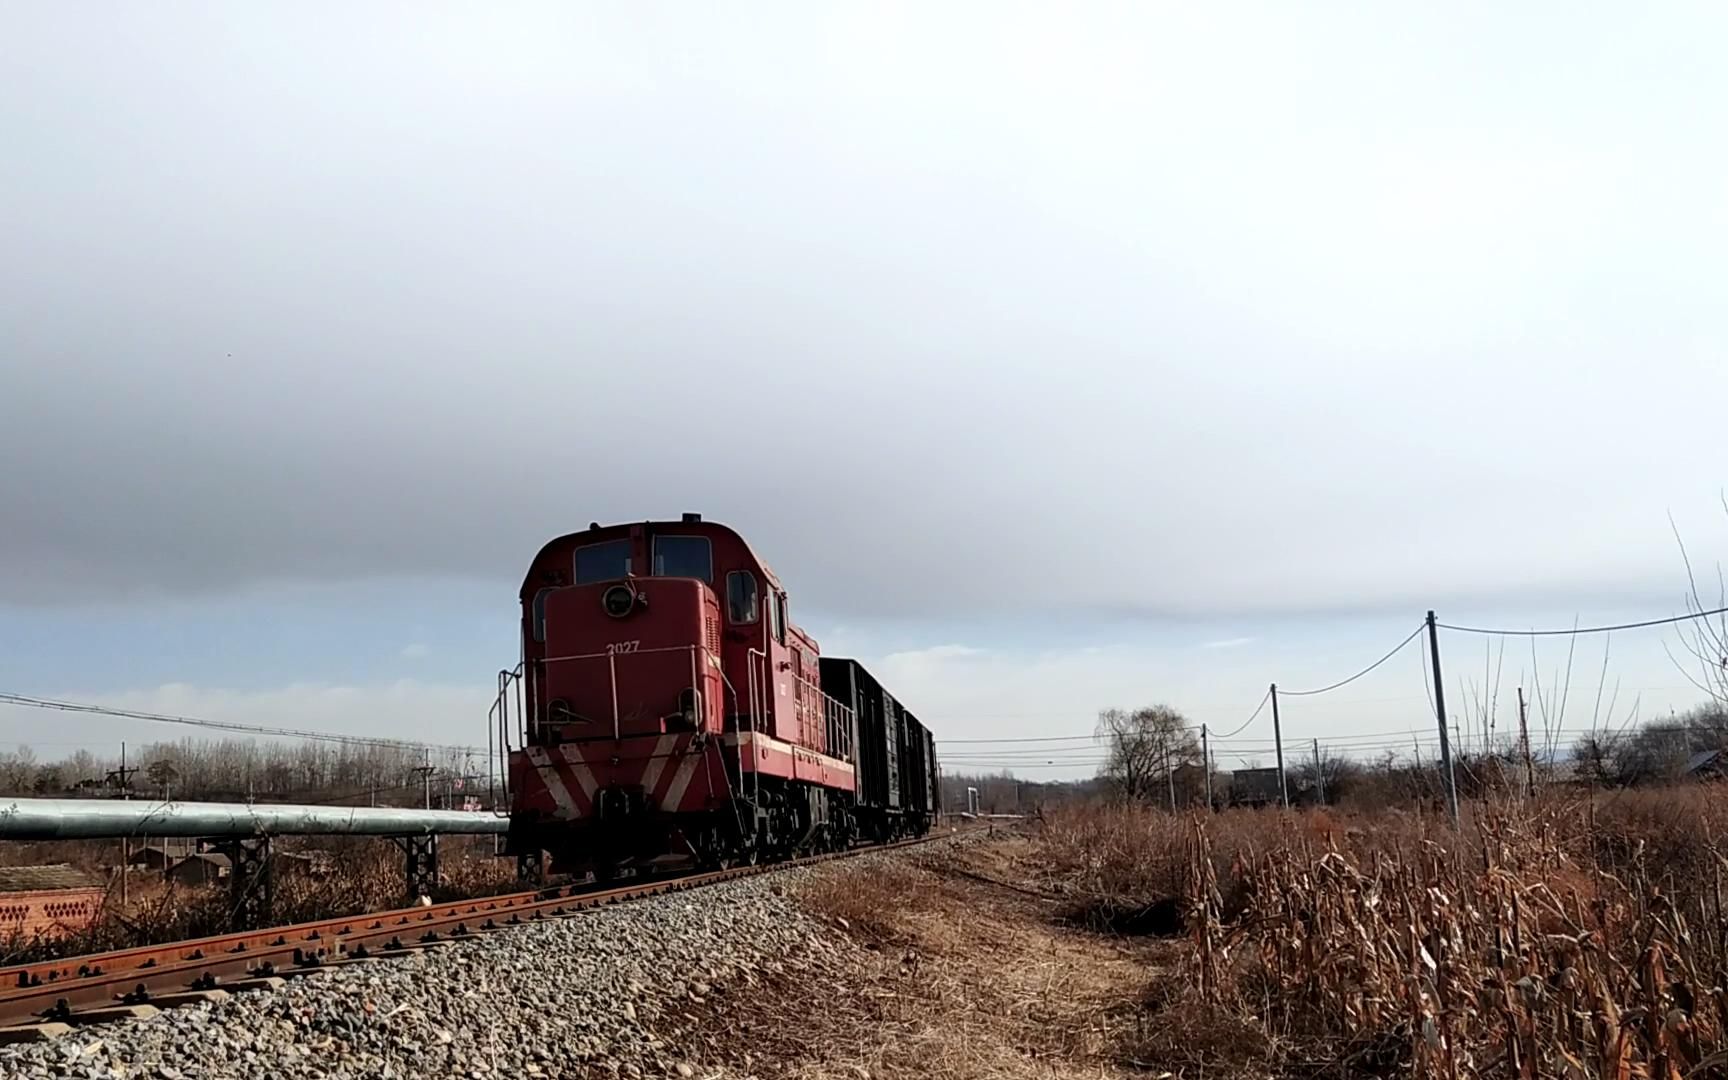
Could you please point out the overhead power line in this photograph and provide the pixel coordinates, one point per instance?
(1587, 629)
(1244, 725)
(1396, 649)
(1039, 739)
(1029, 766)
(225, 725)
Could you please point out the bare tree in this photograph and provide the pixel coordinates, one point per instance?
(49, 781)
(85, 770)
(1337, 776)
(163, 774)
(1595, 754)
(1703, 639)
(1143, 748)
(18, 770)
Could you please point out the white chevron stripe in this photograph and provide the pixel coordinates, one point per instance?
(680, 782)
(542, 763)
(584, 775)
(651, 775)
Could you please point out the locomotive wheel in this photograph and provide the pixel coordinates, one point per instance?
(719, 848)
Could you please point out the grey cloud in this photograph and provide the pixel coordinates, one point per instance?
(1133, 312)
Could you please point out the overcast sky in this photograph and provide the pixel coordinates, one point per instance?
(1056, 358)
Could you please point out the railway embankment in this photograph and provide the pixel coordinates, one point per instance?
(615, 991)
(949, 959)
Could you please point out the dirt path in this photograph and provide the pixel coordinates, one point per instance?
(957, 967)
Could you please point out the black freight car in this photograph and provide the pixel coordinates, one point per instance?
(918, 785)
(895, 756)
(935, 778)
(932, 804)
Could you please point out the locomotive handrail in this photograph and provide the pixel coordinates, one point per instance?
(609, 652)
(498, 723)
(755, 684)
(836, 718)
(612, 655)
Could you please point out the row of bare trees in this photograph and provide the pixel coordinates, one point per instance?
(1661, 750)
(1154, 756)
(1004, 793)
(243, 770)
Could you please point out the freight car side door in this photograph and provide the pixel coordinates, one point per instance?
(894, 737)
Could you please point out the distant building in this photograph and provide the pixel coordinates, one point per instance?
(1707, 765)
(312, 863)
(202, 868)
(1189, 780)
(161, 855)
(1255, 787)
(48, 901)
(213, 867)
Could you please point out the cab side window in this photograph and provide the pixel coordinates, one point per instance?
(741, 606)
(777, 617)
(540, 614)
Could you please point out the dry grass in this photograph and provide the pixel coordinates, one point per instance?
(957, 970)
(1571, 938)
(367, 876)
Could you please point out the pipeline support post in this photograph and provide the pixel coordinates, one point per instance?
(421, 864)
(531, 867)
(251, 886)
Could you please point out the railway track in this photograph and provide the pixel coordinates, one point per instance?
(127, 983)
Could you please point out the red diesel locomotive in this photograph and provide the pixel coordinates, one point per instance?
(669, 710)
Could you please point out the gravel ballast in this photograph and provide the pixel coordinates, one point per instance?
(602, 993)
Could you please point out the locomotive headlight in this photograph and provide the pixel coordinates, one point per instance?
(619, 601)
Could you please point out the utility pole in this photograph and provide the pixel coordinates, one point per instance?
(1319, 773)
(1278, 742)
(1524, 745)
(1206, 763)
(425, 772)
(1447, 776)
(122, 777)
(1170, 772)
(125, 842)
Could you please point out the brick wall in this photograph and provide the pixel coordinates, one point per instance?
(48, 912)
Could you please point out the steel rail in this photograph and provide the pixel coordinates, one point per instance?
(61, 989)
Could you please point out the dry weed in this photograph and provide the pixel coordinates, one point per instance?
(1568, 938)
(367, 875)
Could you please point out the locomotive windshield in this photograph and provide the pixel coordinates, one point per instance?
(683, 556)
(603, 562)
